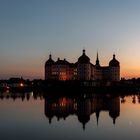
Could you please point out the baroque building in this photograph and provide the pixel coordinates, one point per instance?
(83, 69)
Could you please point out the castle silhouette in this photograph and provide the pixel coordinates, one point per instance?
(83, 69)
(83, 108)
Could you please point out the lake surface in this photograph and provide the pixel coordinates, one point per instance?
(25, 116)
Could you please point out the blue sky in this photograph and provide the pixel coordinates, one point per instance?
(31, 29)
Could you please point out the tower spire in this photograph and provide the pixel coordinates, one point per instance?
(84, 51)
(97, 116)
(50, 56)
(114, 56)
(97, 60)
(114, 121)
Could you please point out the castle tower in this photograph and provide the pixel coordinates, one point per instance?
(114, 69)
(114, 110)
(84, 67)
(97, 61)
(48, 68)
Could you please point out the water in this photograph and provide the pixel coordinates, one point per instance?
(25, 116)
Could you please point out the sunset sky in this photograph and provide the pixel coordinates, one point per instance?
(31, 29)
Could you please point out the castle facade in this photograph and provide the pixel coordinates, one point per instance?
(83, 69)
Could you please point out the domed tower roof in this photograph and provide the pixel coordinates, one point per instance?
(49, 62)
(83, 119)
(114, 62)
(83, 58)
(114, 115)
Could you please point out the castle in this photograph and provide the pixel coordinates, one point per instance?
(83, 69)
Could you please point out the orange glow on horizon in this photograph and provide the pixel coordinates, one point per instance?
(130, 73)
(129, 69)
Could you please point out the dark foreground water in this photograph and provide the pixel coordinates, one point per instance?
(25, 116)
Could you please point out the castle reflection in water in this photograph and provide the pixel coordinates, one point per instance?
(82, 106)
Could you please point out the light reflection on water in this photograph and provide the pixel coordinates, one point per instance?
(33, 116)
